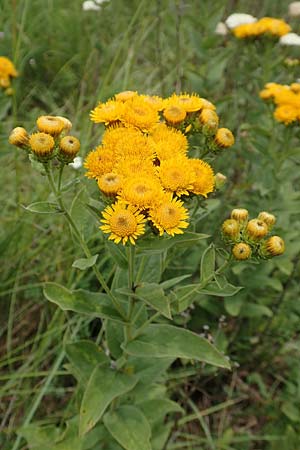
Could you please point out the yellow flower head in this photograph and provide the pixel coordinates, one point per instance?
(107, 113)
(209, 118)
(245, 30)
(125, 95)
(131, 167)
(275, 27)
(268, 218)
(67, 123)
(240, 214)
(190, 103)
(257, 229)
(41, 144)
(7, 70)
(128, 143)
(275, 246)
(99, 162)
(169, 216)
(50, 125)
(69, 146)
(204, 181)
(19, 137)
(141, 191)
(295, 87)
(174, 114)
(241, 251)
(110, 183)
(123, 222)
(207, 104)
(169, 142)
(224, 138)
(140, 114)
(286, 114)
(156, 102)
(231, 228)
(176, 175)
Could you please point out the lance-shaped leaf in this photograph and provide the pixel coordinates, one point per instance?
(85, 356)
(154, 295)
(207, 266)
(162, 341)
(85, 263)
(103, 387)
(129, 427)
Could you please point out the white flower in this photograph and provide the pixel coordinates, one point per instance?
(290, 39)
(77, 163)
(236, 19)
(89, 5)
(221, 29)
(99, 2)
(294, 9)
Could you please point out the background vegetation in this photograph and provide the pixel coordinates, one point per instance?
(68, 59)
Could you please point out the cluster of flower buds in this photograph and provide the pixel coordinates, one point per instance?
(251, 238)
(51, 140)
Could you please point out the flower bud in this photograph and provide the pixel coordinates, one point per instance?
(224, 138)
(174, 115)
(42, 145)
(69, 146)
(256, 229)
(50, 125)
(110, 183)
(274, 246)
(231, 228)
(269, 219)
(67, 123)
(210, 121)
(220, 180)
(240, 214)
(19, 137)
(241, 251)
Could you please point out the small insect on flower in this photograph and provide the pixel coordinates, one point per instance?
(123, 222)
(241, 251)
(19, 137)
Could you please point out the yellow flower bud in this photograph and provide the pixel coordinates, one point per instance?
(256, 229)
(42, 145)
(268, 218)
(210, 120)
(50, 125)
(19, 137)
(174, 115)
(224, 138)
(275, 246)
(69, 146)
(231, 228)
(240, 214)
(220, 180)
(67, 123)
(241, 251)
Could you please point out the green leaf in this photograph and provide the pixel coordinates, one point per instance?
(173, 281)
(43, 208)
(155, 244)
(220, 288)
(81, 301)
(154, 295)
(207, 265)
(233, 305)
(255, 310)
(160, 434)
(117, 254)
(114, 334)
(103, 387)
(156, 409)
(85, 263)
(85, 356)
(164, 341)
(129, 427)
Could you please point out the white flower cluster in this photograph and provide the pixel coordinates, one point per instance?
(92, 5)
(290, 39)
(294, 9)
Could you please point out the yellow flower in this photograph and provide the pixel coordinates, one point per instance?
(141, 191)
(41, 144)
(174, 114)
(99, 162)
(125, 95)
(50, 125)
(190, 103)
(204, 182)
(275, 27)
(295, 87)
(131, 167)
(123, 222)
(207, 104)
(110, 183)
(256, 229)
(107, 113)
(69, 146)
(224, 138)
(169, 216)
(140, 114)
(240, 214)
(176, 175)
(156, 102)
(209, 118)
(275, 246)
(19, 137)
(241, 251)
(7, 70)
(286, 114)
(231, 228)
(268, 218)
(245, 30)
(169, 142)
(67, 123)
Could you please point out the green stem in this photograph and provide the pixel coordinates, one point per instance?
(128, 327)
(81, 241)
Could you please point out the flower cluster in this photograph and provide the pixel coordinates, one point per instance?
(7, 71)
(265, 26)
(50, 141)
(286, 99)
(251, 237)
(143, 164)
